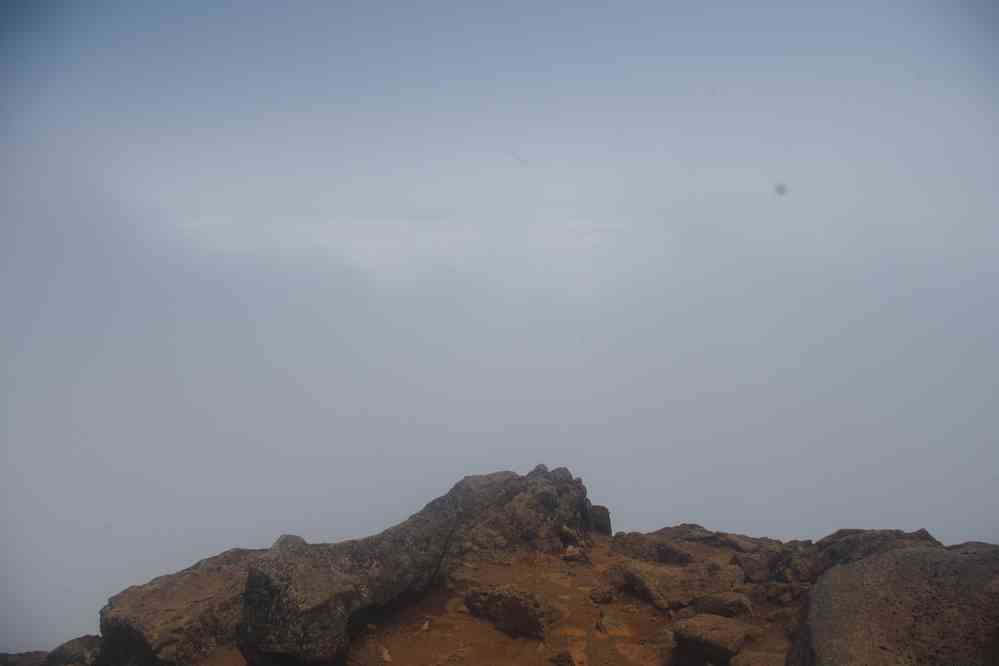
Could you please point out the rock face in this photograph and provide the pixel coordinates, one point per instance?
(514, 611)
(919, 605)
(296, 602)
(301, 600)
(179, 618)
(671, 588)
(650, 547)
(710, 638)
(726, 604)
(600, 516)
(82, 651)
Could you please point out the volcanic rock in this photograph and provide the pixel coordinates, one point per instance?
(924, 605)
(300, 600)
(514, 611)
(82, 651)
(670, 588)
(710, 638)
(179, 618)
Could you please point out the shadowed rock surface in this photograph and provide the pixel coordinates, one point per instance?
(302, 599)
(514, 611)
(179, 618)
(82, 651)
(921, 605)
(532, 555)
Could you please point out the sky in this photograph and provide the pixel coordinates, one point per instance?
(274, 269)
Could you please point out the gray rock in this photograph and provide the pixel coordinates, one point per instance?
(921, 605)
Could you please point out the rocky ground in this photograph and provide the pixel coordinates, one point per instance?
(510, 569)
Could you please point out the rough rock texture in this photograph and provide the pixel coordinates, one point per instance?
(726, 604)
(845, 546)
(82, 651)
(650, 547)
(671, 588)
(179, 618)
(922, 605)
(749, 658)
(710, 638)
(600, 519)
(301, 599)
(519, 613)
(803, 562)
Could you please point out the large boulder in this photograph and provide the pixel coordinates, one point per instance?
(517, 612)
(301, 599)
(710, 639)
(845, 546)
(802, 562)
(672, 587)
(920, 605)
(179, 618)
(82, 651)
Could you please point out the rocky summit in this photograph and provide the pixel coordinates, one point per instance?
(512, 569)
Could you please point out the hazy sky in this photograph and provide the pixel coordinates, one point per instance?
(267, 272)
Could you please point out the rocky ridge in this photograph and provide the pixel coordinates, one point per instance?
(507, 568)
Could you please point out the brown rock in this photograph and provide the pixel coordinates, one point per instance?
(925, 605)
(669, 588)
(748, 658)
(300, 599)
(602, 594)
(563, 659)
(649, 547)
(513, 611)
(178, 618)
(845, 546)
(710, 638)
(726, 604)
(82, 651)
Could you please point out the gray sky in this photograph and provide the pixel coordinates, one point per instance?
(264, 272)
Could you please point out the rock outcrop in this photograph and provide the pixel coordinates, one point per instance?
(918, 605)
(672, 588)
(82, 651)
(301, 600)
(179, 618)
(710, 639)
(514, 611)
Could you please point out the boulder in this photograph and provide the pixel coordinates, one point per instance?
(671, 588)
(82, 651)
(845, 546)
(300, 599)
(179, 618)
(710, 638)
(649, 547)
(693, 533)
(920, 605)
(726, 604)
(600, 519)
(513, 611)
